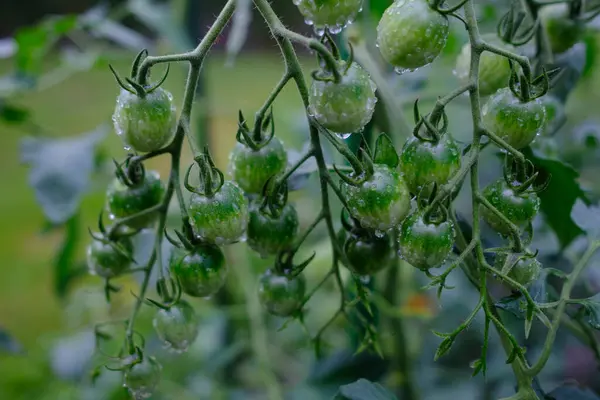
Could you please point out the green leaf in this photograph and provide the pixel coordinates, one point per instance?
(60, 171)
(559, 197)
(65, 265)
(444, 347)
(516, 304)
(591, 308)
(385, 153)
(363, 389)
(587, 218)
(12, 114)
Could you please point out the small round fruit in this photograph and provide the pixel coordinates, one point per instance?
(268, 235)
(281, 294)
(411, 34)
(177, 326)
(123, 201)
(555, 114)
(221, 218)
(525, 270)
(494, 69)
(344, 107)
(518, 208)
(380, 202)
(108, 260)
(423, 162)
(425, 244)
(252, 169)
(331, 14)
(563, 32)
(368, 255)
(145, 123)
(202, 271)
(141, 379)
(516, 122)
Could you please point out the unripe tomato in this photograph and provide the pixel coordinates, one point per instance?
(563, 32)
(269, 235)
(516, 122)
(281, 294)
(344, 107)
(109, 260)
(251, 169)
(380, 202)
(141, 379)
(331, 14)
(221, 218)
(425, 244)
(145, 123)
(525, 270)
(411, 34)
(368, 255)
(202, 271)
(176, 326)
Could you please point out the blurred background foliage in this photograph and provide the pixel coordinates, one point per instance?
(56, 99)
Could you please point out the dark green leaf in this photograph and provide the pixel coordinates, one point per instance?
(13, 114)
(363, 389)
(8, 343)
(572, 392)
(444, 347)
(592, 311)
(60, 171)
(587, 218)
(559, 197)
(516, 304)
(378, 7)
(385, 153)
(64, 266)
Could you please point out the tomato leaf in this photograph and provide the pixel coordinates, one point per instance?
(12, 114)
(65, 264)
(363, 389)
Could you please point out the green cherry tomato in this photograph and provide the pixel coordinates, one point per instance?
(494, 69)
(509, 118)
(221, 218)
(141, 379)
(269, 235)
(563, 32)
(108, 260)
(331, 14)
(177, 326)
(525, 270)
(145, 124)
(123, 201)
(425, 244)
(251, 169)
(368, 255)
(519, 208)
(411, 34)
(380, 202)
(344, 107)
(555, 114)
(202, 271)
(423, 162)
(281, 294)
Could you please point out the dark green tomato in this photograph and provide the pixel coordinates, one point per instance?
(368, 255)
(123, 201)
(145, 124)
(518, 208)
(251, 169)
(141, 380)
(381, 202)
(424, 162)
(268, 235)
(221, 218)
(525, 270)
(177, 327)
(563, 32)
(425, 245)
(411, 34)
(202, 271)
(109, 260)
(281, 294)
(344, 107)
(331, 14)
(509, 118)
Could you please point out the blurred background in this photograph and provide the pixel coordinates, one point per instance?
(56, 100)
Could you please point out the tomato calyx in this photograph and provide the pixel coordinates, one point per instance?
(438, 5)
(435, 213)
(131, 172)
(210, 177)
(522, 177)
(527, 89)
(137, 84)
(510, 27)
(261, 134)
(430, 124)
(328, 72)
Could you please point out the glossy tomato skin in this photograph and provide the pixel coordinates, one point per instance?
(411, 34)
(106, 261)
(525, 270)
(141, 379)
(424, 244)
(281, 294)
(344, 107)
(380, 202)
(367, 255)
(145, 124)
(268, 234)
(331, 14)
(562, 31)
(518, 208)
(221, 218)
(202, 271)
(423, 162)
(251, 169)
(177, 326)
(123, 201)
(516, 122)
(494, 69)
